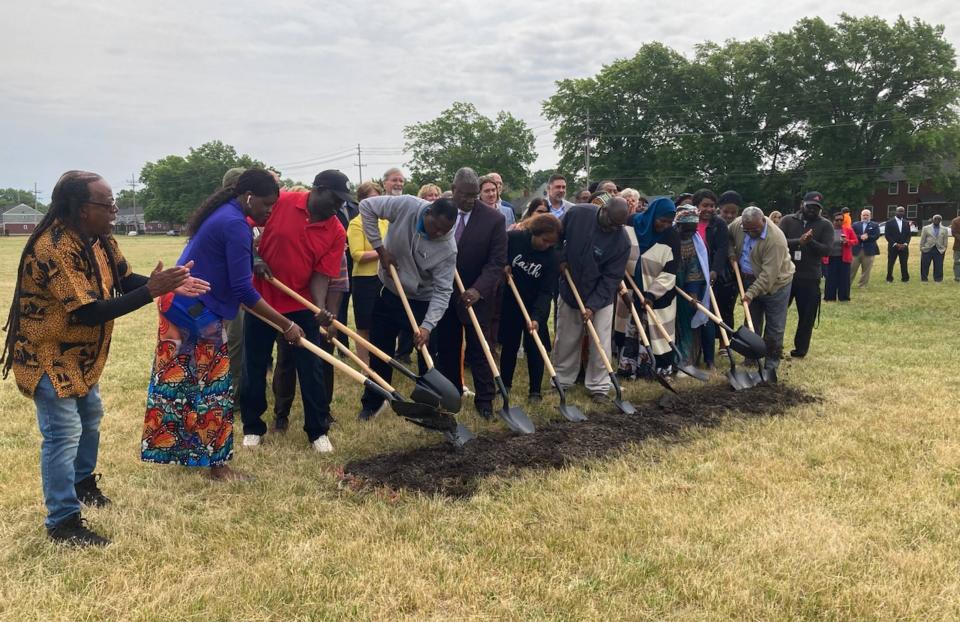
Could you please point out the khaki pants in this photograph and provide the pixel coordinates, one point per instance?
(865, 262)
(566, 351)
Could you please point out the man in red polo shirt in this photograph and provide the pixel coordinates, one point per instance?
(303, 244)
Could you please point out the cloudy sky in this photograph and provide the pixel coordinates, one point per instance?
(109, 85)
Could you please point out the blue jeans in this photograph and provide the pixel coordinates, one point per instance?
(70, 427)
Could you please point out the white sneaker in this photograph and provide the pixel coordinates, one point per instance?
(322, 445)
(467, 392)
(251, 440)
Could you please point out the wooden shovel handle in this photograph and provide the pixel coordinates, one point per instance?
(380, 354)
(706, 311)
(650, 312)
(746, 307)
(716, 309)
(326, 356)
(643, 333)
(413, 321)
(536, 338)
(589, 323)
(635, 315)
(476, 327)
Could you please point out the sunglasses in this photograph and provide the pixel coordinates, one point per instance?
(110, 205)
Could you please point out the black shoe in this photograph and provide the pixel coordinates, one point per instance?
(797, 354)
(770, 376)
(889, 279)
(534, 397)
(73, 531)
(281, 424)
(365, 414)
(89, 493)
(485, 411)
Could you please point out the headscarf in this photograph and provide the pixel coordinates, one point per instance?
(647, 236)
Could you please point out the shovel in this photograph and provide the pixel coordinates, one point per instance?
(432, 388)
(570, 412)
(758, 375)
(644, 341)
(688, 369)
(513, 416)
(740, 377)
(424, 415)
(742, 341)
(432, 383)
(625, 407)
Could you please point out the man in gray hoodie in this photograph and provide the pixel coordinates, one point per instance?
(420, 245)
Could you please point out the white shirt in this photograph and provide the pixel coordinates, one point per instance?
(899, 223)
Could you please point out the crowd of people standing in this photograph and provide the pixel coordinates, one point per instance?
(222, 316)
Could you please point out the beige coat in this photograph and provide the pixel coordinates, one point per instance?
(928, 240)
(770, 258)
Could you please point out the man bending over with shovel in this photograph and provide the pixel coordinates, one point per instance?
(759, 250)
(420, 245)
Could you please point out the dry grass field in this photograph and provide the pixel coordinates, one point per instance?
(847, 508)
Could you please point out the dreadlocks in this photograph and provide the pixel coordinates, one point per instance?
(70, 193)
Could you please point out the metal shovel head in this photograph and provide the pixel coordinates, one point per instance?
(569, 411)
(625, 407)
(459, 436)
(433, 383)
(748, 343)
(743, 378)
(693, 372)
(517, 420)
(425, 416)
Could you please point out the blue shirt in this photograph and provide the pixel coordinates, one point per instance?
(222, 252)
(748, 243)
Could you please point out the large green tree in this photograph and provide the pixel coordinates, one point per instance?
(10, 197)
(461, 136)
(177, 185)
(821, 106)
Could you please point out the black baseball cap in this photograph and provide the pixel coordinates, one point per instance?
(333, 180)
(813, 197)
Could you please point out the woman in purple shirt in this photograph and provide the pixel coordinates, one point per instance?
(189, 417)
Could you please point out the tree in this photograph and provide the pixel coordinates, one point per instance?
(461, 136)
(178, 185)
(10, 197)
(821, 106)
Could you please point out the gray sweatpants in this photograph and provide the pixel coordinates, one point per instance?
(566, 349)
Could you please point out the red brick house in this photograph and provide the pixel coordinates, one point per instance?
(921, 200)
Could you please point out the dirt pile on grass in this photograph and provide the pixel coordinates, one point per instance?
(442, 470)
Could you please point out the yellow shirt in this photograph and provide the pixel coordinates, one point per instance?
(58, 278)
(359, 244)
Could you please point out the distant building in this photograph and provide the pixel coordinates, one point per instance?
(128, 221)
(921, 200)
(20, 220)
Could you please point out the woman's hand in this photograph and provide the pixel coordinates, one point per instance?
(193, 287)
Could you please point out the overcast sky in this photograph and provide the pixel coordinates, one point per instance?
(109, 85)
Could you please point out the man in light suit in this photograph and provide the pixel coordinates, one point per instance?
(897, 233)
(868, 232)
(933, 246)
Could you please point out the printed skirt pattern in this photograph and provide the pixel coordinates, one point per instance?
(189, 419)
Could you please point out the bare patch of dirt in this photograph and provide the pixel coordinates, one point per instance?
(442, 470)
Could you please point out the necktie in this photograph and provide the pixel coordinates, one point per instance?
(461, 225)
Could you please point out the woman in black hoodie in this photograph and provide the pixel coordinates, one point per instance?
(533, 263)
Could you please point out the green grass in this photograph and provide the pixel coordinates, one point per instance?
(845, 509)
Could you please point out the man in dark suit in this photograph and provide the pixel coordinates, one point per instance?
(868, 232)
(481, 254)
(897, 233)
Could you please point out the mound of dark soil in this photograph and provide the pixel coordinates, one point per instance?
(440, 469)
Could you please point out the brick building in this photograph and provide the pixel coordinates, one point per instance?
(921, 200)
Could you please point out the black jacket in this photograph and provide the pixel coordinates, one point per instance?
(809, 267)
(893, 234)
(718, 243)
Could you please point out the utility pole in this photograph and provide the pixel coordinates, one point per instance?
(36, 196)
(586, 149)
(359, 163)
(133, 186)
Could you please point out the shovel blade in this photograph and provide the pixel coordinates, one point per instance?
(748, 343)
(517, 420)
(569, 411)
(745, 379)
(625, 407)
(425, 416)
(459, 436)
(436, 383)
(693, 372)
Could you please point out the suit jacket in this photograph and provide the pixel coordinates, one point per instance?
(869, 246)
(481, 255)
(929, 241)
(894, 235)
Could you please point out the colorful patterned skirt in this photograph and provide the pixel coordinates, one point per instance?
(189, 418)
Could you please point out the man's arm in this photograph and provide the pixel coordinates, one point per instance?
(442, 290)
(372, 209)
(873, 232)
(611, 274)
(890, 232)
(822, 240)
(768, 270)
(719, 259)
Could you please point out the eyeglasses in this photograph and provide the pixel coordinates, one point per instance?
(110, 205)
